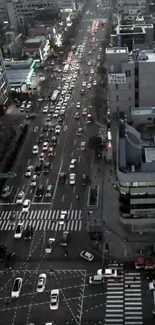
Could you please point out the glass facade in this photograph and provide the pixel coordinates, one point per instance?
(4, 86)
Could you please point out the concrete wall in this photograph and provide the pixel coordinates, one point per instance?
(146, 84)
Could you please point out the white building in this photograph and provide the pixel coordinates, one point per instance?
(4, 86)
(130, 79)
(125, 5)
(20, 11)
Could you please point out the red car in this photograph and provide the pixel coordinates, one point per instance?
(79, 131)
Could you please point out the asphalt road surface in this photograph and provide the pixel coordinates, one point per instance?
(80, 303)
(126, 301)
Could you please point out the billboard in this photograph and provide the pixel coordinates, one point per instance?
(116, 78)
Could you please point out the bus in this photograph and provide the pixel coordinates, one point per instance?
(55, 95)
(66, 68)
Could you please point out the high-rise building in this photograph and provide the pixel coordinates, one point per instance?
(3, 12)
(4, 86)
(22, 11)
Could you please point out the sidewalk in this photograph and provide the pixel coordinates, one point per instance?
(97, 172)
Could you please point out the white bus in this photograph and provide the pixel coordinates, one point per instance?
(66, 68)
(55, 95)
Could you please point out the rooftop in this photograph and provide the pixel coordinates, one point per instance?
(142, 111)
(143, 56)
(17, 76)
(136, 149)
(117, 50)
(35, 39)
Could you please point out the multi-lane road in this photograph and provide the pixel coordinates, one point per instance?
(112, 303)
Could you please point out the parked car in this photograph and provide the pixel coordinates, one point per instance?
(87, 256)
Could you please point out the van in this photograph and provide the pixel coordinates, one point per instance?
(96, 279)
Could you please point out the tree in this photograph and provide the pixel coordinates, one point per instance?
(94, 142)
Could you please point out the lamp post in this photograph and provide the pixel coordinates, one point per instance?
(103, 246)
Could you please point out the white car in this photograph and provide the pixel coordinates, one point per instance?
(34, 181)
(26, 206)
(45, 146)
(84, 84)
(87, 256)
(72, 179)
(17, 285)
(45, 109)
(58, 129)
(48, 248)
(89, 86)
(78, 105)
(42, 157)
(19, 230)
(94, 83)
(92, 71)
(72, 164)
(35, 150)
(84, 111)
(55, 114)
(54, 299)
(108, 273)
(62, 112)
(20, 197)
(29, 171)
(89, 63)
(41, 282)
(63, 217)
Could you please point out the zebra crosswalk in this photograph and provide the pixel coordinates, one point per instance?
(43, 220)
(124, 299)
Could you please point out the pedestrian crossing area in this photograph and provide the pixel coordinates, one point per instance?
(124, 299)
(43, 220)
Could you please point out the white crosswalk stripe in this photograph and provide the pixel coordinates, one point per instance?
(124, 299)
(44, 220)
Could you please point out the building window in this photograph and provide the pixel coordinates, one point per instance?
(126, 73)
(136, 71)
(129, 85)
(116, 86)
(136, 95)
(136, 83)
(129, 98)
(129, 73)
(117, 98)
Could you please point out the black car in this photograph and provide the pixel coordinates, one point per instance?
(62, 178)
(45, 128)
(39, 191)
(28, 233)
(84, 180)
(54, 141)
(40, 138)
(30, 116)
(60, 121)
(38, 168)
(65, 238)
(46, 168)
(9, 260)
